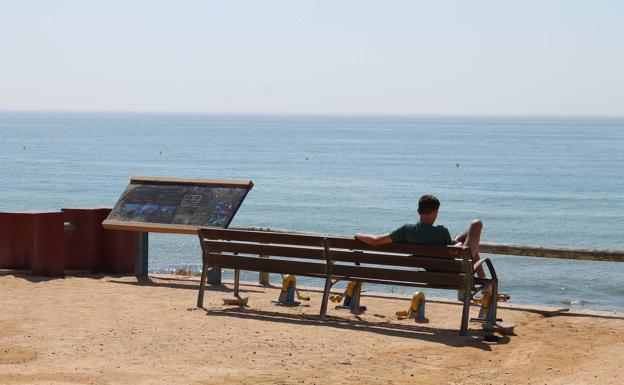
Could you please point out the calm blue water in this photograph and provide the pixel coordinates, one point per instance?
(532, 181)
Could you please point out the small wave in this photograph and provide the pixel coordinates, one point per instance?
(575, 302)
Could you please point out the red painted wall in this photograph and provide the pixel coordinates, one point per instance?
(38, 240)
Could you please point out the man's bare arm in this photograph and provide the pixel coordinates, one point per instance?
(374, 240)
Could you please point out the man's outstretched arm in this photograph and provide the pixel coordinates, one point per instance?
(374, 240)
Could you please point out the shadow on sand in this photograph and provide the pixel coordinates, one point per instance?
(27, 276)
(181, 283)
(426, 333)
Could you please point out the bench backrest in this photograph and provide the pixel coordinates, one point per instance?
(344, 258)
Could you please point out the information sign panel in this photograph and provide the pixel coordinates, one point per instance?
(177, 205)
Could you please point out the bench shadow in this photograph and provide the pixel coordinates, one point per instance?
(547, 313)
(425, 333)
(174, 283)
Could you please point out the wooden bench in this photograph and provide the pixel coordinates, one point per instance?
(340, 258)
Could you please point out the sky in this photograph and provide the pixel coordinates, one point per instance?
(520, 58)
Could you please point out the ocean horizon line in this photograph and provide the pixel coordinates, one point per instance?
(337, 115)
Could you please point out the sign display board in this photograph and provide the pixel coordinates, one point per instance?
(177, 205)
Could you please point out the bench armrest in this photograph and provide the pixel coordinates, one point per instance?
(489, 265)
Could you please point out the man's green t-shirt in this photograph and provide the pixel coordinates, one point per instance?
(423, 233)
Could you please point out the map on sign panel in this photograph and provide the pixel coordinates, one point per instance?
(180, 201)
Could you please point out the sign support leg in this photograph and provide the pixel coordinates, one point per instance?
(214, 276)
(141, 253)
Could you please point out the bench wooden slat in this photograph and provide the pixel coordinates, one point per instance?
(437, 264)
(283, 266)
(449, 252)
(272, 265)
(410, 284)
(367, 272)
(261, 249)
(262, 237)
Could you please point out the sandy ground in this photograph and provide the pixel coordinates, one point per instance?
(117, 330)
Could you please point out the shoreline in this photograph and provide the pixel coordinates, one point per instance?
(103, 329)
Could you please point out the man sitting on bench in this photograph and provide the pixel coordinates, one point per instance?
(424, 232)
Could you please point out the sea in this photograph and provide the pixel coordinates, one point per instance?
(537, 181)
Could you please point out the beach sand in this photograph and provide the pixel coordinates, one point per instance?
(118, 330)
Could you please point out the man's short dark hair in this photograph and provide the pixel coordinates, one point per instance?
(428, 204)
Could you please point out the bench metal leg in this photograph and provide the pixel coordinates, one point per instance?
(328, 275)
(494, 302)
(465, 313)
(202, 286)
(328, 285)
(236, 282)
(202, 282)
